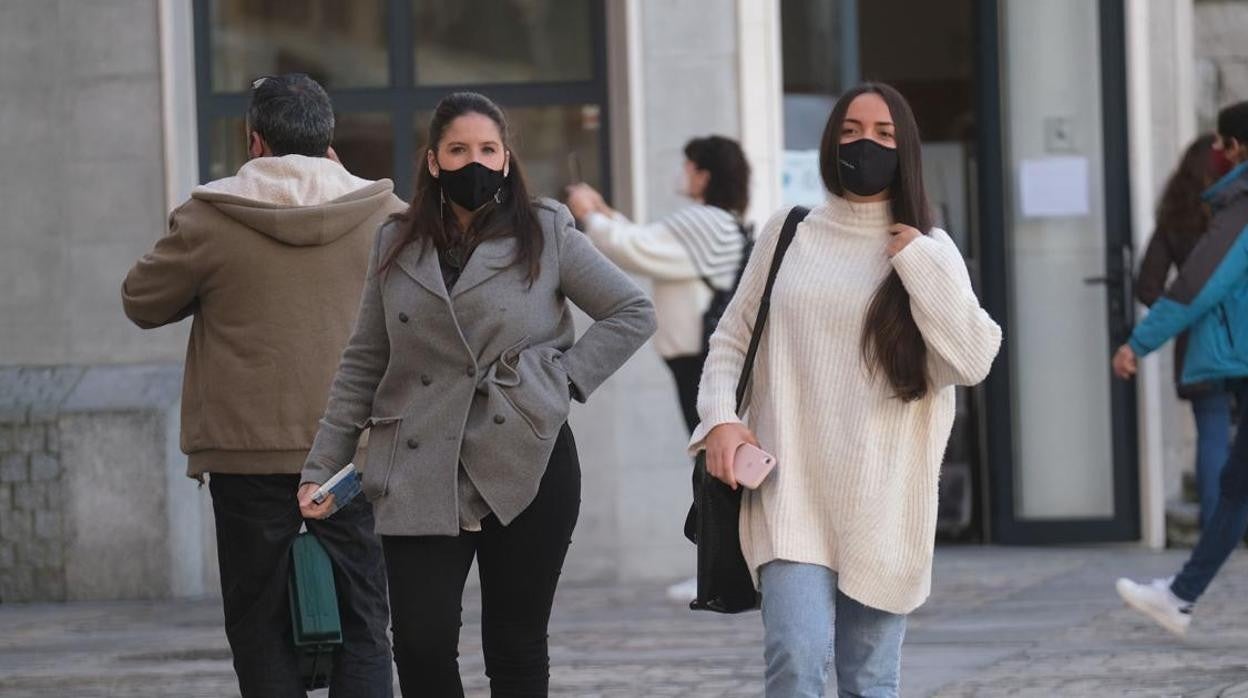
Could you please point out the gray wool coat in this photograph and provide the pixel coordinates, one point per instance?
(481, 375)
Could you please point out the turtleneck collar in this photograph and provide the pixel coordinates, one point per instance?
(862, 218)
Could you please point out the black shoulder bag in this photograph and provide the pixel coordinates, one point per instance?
(724, 581)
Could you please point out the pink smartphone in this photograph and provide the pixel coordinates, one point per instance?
(751, 465)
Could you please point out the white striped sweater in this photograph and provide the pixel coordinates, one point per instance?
(855, 485)
(676, 254)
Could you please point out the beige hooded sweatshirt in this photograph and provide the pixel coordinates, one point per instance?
(270, 265)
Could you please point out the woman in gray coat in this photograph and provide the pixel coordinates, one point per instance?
(463, 365)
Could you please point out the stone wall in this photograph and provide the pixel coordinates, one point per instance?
(1219, 27)
(631, 436)
(32, 548)
(94, 500)
(1169, 133)
(81, 180)
(690, 87)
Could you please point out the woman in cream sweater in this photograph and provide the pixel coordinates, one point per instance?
(873, 321)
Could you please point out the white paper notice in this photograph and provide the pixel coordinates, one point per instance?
(1054, 187)
(800, 182)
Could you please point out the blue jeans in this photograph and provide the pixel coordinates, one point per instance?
(806, 622)
(1213, 435)
(1220, 537)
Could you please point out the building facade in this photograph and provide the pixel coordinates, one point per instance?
(1048, 129)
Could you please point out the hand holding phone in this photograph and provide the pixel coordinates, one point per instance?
(751, 465)
(721, 448)
(331, 496)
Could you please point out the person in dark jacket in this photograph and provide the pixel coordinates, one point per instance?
(1182, 218)
(1210, 298)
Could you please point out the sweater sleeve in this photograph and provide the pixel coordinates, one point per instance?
(363, 362)
(623, 315)
(649, 250)
(163, 285)
(962, 339)
(717, 392)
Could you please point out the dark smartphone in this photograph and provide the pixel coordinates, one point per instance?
(574, 168)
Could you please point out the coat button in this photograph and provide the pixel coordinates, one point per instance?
(472, 371)
(499, 419)
(426, 380)
(412, 443)
(403, 317)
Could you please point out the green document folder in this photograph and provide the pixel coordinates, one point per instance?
(314, 609)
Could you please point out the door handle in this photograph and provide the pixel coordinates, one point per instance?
(1119, 283)
(1102, 280)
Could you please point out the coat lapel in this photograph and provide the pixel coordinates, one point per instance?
(491, 258)
(420, 263)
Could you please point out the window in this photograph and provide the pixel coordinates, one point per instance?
(820, 45)
(386, 63)
(511, 42)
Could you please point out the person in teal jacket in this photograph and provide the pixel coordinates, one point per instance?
(1210, 299)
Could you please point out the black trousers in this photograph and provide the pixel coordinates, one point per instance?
(687, 370)
(519, 566)
(257, 520)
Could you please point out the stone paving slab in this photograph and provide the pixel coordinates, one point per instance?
(1001, 622)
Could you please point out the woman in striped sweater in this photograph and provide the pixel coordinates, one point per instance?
(688, 255)
(873, 321)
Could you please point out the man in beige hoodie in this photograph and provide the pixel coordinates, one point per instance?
(270, 266)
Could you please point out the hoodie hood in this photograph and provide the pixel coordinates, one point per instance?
(298, 200)
(1232, 185)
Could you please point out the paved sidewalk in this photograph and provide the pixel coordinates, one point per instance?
(1001, 622)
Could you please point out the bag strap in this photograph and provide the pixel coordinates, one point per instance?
(787, 233)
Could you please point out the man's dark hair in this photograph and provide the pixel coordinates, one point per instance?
(1233, 122)
(292, 114)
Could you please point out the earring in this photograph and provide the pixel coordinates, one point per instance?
(441, 202)
(498, 196)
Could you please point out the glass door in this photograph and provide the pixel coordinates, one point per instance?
(1061, 429)
(829, 45)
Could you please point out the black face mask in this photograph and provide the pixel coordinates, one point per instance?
(472, 186)
(866, 168)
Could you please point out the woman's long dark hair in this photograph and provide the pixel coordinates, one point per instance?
(729, 184)
(429, 218)
(891, 341)
(1180, 209)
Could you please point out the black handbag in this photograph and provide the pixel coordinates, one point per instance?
(725, 584)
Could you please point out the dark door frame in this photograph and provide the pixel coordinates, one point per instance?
(999, 439)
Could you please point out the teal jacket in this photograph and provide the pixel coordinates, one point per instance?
(1210, 295)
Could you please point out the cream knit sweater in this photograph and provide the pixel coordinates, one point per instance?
(855, 485)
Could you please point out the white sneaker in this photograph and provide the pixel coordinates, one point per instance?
(1156, 601)
(685, 591)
